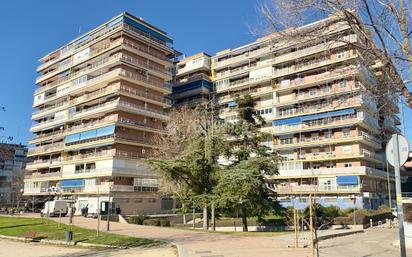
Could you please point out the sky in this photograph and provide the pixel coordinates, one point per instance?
(31, 29)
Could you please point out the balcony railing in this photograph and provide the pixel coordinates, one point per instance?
(109, 118)
(46, 148)
(139, 124)
(44, 175)
(291, 189)
(71, 48)
(146, 110)
(93, 66)
(106, 153)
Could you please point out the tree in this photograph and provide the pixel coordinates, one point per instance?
(243, 184)
(385, 26)
(188, 158)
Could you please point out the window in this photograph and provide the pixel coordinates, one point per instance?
(79, 168)
(326, 89)
(138, 200)
(330, 165)
(327, 135)
(286, 141)
(347, 164)
(342, 84)
(341, 55)
(315, 152)
(345, 133)
(347, 149)
(151, 200)
(312, 92)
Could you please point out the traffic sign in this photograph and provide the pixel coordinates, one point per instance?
(403, 150)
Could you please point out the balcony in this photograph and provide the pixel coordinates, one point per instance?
(69, 49)
(146, 50)
(104, 154)
(309, 142)
(282, 72)
(104, 107)
(48, 136)
(314, 125)
(46, 149)
(305, 189)
(309, 173)
(44, 176)
(140, 125)
(146, 111)
(105, 120)
(86, 70)
(243, 57)
(49, 110)
(48, 124)
(36, 164)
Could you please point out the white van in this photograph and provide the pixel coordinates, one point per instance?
(55, 208)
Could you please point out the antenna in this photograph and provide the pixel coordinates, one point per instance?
(80, 29)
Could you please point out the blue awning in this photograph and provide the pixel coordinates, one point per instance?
(328, 114)
(347, 180)
(293, 120)
(72, 183)
(108, 130)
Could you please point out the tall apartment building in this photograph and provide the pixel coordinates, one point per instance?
(12, 164)
(192, 80)
(315, 96)
(100, 101)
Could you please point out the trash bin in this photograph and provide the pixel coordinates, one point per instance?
(69, 236)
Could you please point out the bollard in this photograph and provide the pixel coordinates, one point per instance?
(69, 236)
(371, 222)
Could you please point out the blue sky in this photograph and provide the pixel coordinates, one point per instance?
(31, 29)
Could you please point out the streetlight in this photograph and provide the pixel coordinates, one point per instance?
(353, 198)
(108, 208)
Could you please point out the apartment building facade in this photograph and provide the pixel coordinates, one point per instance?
(101, 99)
(192, 83)
(12, 164)
(316, 98)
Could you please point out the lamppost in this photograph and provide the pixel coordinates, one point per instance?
(108, 207)
(353, 198)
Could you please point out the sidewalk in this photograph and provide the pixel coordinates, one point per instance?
(202, 244)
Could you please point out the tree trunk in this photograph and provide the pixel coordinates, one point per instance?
(244, 219)
(205, 218)
(184, 213)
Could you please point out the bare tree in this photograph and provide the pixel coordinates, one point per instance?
(383, 26)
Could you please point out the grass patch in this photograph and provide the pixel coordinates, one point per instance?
(48, 229)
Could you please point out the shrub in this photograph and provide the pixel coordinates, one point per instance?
(164, 223)
(384, 208)
(344, 221)
(137, 219)
(151, 222)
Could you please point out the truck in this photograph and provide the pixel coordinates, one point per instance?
(55, 208)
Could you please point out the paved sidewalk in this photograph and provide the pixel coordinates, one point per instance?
(203, 244)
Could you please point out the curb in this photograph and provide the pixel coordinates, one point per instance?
(321, 238)
(61, 242)
(181, 251)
